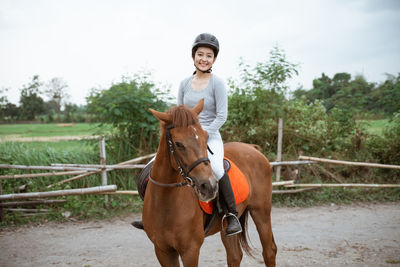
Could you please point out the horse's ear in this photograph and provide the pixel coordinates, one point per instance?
(199, 107)
(162, 116)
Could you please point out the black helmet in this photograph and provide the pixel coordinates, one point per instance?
(208, 40)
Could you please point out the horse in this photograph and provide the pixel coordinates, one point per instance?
(172, 217)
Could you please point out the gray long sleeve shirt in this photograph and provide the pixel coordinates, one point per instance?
(215, 97)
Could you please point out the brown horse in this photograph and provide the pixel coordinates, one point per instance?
(172, 217)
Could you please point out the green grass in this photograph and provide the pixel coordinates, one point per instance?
(74, 151)
(49, 130)
(72, 146)
(375, 127)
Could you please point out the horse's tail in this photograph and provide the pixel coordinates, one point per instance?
(244, 235)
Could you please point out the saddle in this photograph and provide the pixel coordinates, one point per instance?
(239, 183)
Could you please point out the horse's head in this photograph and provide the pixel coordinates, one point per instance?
(186, 143)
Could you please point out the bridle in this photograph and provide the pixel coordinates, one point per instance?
(184, 172)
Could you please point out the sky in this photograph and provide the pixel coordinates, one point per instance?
(94, 43)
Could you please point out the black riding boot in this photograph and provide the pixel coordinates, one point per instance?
(138, 225)
(226, 195)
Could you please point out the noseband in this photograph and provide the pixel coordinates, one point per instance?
(184, 172)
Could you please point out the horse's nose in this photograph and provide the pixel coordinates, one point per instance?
(209, 188)
(205, 187)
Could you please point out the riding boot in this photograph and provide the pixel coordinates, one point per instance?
(138, 225)
(226, 195)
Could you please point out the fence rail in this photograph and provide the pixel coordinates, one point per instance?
(77, 170)
(58, 193)
(346, 185)
(80, 171)
(298, 162)
(342, 162)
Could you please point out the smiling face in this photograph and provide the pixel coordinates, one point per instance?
(204, 58)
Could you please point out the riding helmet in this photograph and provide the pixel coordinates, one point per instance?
(207, 40)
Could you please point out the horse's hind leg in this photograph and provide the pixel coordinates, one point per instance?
(262, 219)
(234, 252)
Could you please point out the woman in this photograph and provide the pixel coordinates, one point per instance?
(204, 84)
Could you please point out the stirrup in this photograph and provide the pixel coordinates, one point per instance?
(236, 218)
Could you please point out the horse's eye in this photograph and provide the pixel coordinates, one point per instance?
(180, 145)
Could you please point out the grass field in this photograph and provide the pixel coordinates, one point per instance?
(376, 126)
(88, 129)
(75, 146)
(49, 130)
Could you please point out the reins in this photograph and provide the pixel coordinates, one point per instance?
(184, 172)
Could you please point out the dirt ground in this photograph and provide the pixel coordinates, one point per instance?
(355, 235)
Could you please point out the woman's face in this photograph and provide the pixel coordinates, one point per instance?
(204, 58)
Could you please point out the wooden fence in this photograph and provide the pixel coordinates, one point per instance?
(83, 170)
(78, 171)
(314, 160)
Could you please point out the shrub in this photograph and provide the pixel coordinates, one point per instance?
(125, 106)
(385, 149)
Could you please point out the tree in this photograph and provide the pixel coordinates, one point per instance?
(341, 92)
(267, 81)
(271, 75)
(259, 94)
(3, 102)
(56, 91)
(125, 106)
(8, 111)
(386, 97)
(74, 113)
(31, 104)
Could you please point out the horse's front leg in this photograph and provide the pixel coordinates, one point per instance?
(233, 249)
(190, 255)
(168, 258)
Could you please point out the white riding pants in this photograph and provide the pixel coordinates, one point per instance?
(217, 158)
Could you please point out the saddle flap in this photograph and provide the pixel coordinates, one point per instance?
(239, 183)
(141, 182)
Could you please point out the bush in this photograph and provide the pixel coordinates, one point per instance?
(125, 106)
(385, 149)
(256, 101)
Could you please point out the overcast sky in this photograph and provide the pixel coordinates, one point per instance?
(94, 43)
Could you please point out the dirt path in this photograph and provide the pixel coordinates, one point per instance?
(355, 235)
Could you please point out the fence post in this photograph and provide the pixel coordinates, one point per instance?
(279, 154)
(1, 208)
(103, 162)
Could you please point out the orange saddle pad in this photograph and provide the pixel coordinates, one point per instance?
(240, 187)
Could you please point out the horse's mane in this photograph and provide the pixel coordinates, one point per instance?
(182, 116)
